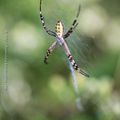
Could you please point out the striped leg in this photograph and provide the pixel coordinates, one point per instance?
(75, 66)
(43, 23)
(49, 51)
(74, 25)
(72, 61)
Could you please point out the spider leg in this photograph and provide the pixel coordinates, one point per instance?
(49, 51)
(74, 25)
(43, 23)
(72, 61)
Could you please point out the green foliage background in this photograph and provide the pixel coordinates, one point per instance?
(36, 91)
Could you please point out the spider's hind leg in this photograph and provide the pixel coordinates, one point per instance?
(49, 51)
(75, 66)
(72, 61)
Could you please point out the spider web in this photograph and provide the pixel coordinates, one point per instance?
(4, 71)
(83, 49)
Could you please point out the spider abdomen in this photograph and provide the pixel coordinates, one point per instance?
(59, 29)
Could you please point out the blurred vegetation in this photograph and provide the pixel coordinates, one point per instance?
(44, 92)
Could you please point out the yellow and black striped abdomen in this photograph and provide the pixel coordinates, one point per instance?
(59, 29)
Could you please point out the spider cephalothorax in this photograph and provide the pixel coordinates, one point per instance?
(60, 39)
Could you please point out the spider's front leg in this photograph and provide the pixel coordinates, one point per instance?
(74, 25)
(72, 61)
(43, 23)
(49, 51)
